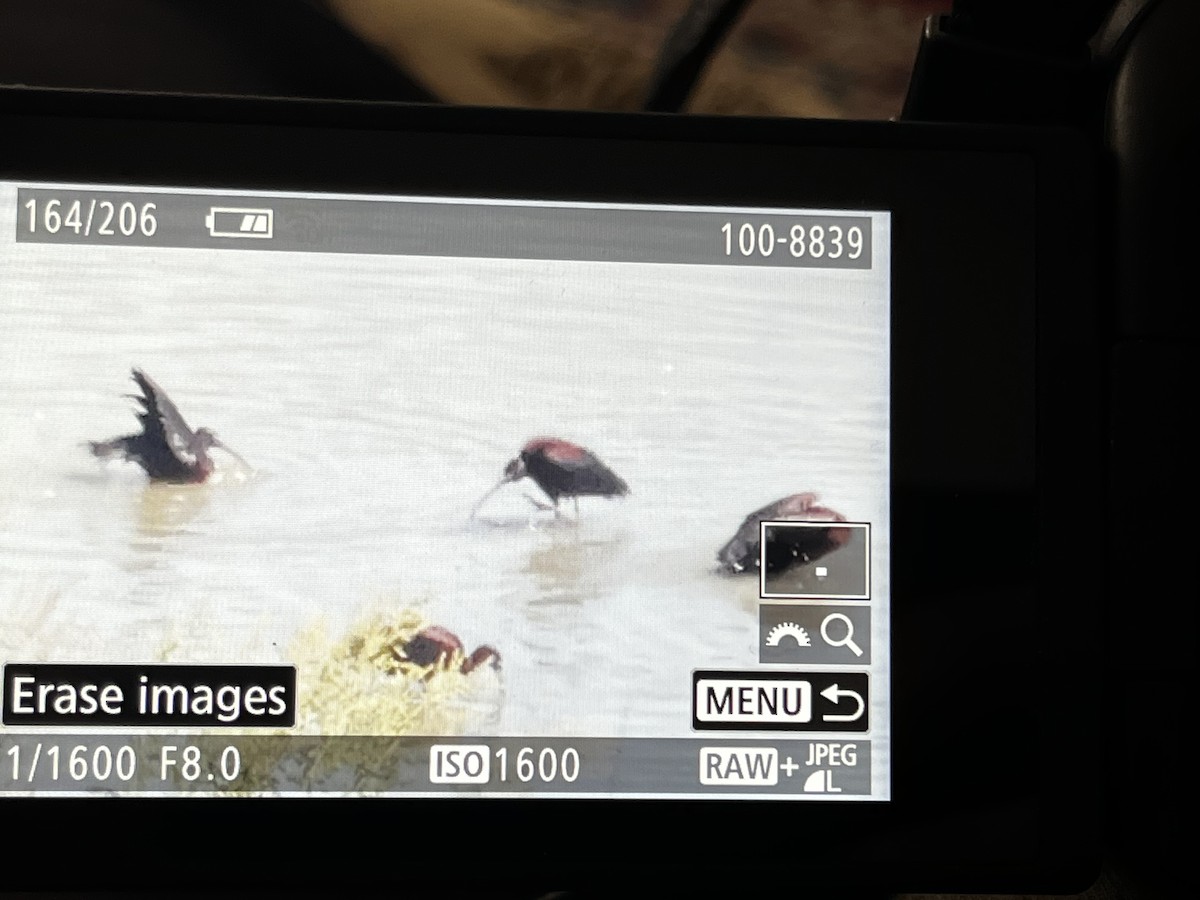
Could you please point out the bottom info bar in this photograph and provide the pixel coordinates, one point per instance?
(133, 763)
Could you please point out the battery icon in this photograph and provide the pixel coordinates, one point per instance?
(240, 222)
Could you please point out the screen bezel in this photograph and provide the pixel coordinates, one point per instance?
(1015, 370)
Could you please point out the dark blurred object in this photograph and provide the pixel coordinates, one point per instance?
(690, 45)
(275, 48)
(1006, 62)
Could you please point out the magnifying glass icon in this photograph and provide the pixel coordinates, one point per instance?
(848, 640)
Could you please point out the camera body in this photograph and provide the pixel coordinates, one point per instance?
(984, 739)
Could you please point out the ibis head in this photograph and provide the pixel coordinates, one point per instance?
(514, 471)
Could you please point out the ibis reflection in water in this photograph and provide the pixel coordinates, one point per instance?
(788, 547)
(560, 469)
(166, 447)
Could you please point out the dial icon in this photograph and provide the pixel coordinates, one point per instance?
(785, 630)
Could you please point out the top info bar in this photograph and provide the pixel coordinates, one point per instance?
(496, 230)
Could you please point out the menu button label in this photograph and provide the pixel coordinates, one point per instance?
(780, 701)
(752, 700)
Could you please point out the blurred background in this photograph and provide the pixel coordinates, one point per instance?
(809, 58)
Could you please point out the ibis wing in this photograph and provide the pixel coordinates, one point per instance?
(162, 422)
(591, 476)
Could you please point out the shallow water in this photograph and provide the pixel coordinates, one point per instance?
(378, 399)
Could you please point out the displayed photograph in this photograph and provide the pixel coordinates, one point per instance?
(461, 496)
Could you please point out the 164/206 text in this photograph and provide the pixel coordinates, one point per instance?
(90, 217)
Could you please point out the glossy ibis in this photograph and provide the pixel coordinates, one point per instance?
(560, 469)
(440, 648)
(166, 447)
(788, 547)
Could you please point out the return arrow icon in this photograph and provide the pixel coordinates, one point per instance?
(833, 695)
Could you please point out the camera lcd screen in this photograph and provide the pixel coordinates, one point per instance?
(315, 494)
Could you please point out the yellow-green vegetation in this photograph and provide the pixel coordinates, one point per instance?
(360, 684)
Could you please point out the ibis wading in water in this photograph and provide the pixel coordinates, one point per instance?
(166, 447)
(789, 546)
(560, 469)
